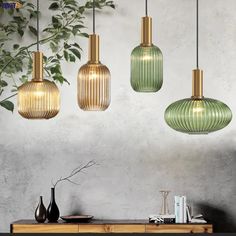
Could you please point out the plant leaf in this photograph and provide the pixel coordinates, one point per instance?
(33, 30)
(54, 6)
(58, 77)
(66, 55)
(84, 35)
(16, 46)
(7, 105)
(72, 57)
(20, 32)
(3, 83)
(75, 52)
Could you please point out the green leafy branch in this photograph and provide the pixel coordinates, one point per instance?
(60, 36)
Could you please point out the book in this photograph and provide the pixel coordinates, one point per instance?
(184, 220)
(177, 209)
(180, 209)
(189, 218)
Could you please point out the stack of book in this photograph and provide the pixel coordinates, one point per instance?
(162, 219)
(182, 212)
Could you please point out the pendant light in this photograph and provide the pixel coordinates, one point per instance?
(198, 115)
(146, 61)
(94, 78)
(39, 98)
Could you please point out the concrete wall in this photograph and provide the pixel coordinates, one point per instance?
(138, 154)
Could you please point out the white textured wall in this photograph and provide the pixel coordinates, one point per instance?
(138, 154)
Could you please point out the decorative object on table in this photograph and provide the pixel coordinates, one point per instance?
(94, 79)
(194, 219)
(39, 98)
(40, 212)
(146, 61)
(53, 210)
(77, 218)
(180, 209)
(162, 219)
(198, 219)
(164, 205)
(197, 115)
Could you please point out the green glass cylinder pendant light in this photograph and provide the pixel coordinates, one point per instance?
(93, 78)
(38, 98)
(146, 61)
(197, 115)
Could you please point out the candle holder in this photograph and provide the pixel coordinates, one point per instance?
(164, 205)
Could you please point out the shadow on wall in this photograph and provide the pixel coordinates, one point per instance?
(221, 220)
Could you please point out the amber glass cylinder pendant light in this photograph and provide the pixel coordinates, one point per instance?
(94, 78)
(38, 98)
(198, 115)
(146, 61)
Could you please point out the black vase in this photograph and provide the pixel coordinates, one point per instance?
(40, 212)
(53, 211)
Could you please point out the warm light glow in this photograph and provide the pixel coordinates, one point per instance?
(198, 109)
(38, 100)
(146, 57)
(92, 75)
(94, 87)
(198, 116)
(146, 69)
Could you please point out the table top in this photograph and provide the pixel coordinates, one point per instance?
(101, 222)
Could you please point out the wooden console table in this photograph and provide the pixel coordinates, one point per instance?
(107, 226)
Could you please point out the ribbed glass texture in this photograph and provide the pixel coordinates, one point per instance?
(146, 69)
(198, 116)
(94, 82)
(38, 100)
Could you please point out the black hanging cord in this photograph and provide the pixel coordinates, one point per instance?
(197, 33)
(146, 7)
(94, 16)
(37, 25)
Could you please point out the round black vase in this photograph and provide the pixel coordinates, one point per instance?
(53, 211)
(40, 212)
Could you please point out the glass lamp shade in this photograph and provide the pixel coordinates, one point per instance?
(198, 116)
(94, 87)
(38, 99)
(146, 69)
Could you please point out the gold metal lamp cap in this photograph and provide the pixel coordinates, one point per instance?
(37, 66)
(94, 48)
(146, 32)
(197, 84)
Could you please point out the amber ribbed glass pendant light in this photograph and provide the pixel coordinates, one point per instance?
(39, 98)
(198, 115)
(93, 78)
(146, 61)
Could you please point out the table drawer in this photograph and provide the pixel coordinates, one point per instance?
(95, 228)
(43, 228)
(178, 228)
(135, 228)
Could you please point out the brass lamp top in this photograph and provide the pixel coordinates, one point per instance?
(146, 32)
(197, 84)
(37, 66)
(94, 48)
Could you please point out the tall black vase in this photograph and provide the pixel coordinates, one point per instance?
(40, 212)
(53, 211)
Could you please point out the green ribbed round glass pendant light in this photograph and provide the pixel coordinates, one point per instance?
(198, 115)
(146, 61)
